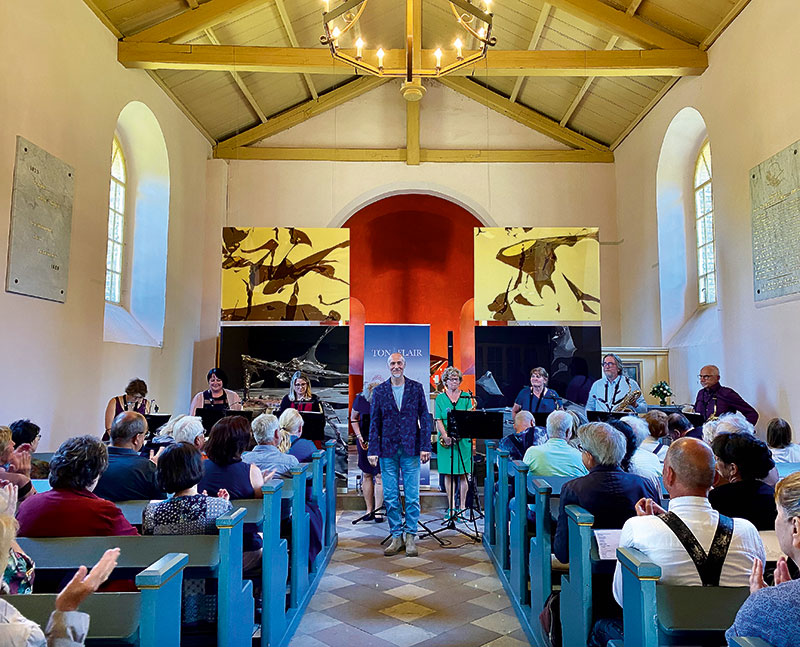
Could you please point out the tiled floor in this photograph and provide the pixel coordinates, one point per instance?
(446, 597)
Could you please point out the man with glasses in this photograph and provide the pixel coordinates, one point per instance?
(609, 391)
(713, 399)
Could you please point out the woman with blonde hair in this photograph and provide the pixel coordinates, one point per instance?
(291, 423)
(299, 396)
(371, 483)
(455, 454)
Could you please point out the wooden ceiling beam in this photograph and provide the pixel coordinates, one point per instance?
(302, 112)
(315, 60)
(443, 156)
(194, 21)
(620, 23)
(290, 34)
(520, 114)
(727, 20)
(544, 14)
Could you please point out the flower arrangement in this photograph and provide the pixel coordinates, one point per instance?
(662, 391)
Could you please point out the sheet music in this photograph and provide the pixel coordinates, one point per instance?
(608, 542)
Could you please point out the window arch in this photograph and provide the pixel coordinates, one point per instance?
(704, 227)
(116, 223)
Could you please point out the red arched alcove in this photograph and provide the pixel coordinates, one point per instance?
(411, 262)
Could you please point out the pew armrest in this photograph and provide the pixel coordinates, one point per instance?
(162, 571)
(637, 563)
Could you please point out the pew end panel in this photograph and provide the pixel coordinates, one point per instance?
(576, 586)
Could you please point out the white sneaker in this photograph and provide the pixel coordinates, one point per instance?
(394, 547)
(411, 546)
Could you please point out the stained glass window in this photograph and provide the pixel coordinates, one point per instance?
(704, 228)
(116, 224)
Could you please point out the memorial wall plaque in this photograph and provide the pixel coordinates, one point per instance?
(41, 221)
(775, 213)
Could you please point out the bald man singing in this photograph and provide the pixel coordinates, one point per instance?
(713, 399)
(400, 437)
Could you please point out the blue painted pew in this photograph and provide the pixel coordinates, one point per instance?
(784, 469)
(150, 618)
(489, 493)
(518, 535)
(576, 586)
(655, 615)
(540, 555)
(279, 619)
(212, 556)
(749, 642)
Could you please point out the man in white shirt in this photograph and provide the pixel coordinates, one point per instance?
(609, 391)
(556, 457)
(688, 476)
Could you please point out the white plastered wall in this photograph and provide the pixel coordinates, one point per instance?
(749, 100)
(325, 194)
(63, 90)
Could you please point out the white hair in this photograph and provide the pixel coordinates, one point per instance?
(640, 428)
(264, 428)
(187, 429)
(603, 442)
(727, 423)
(558, 424)
(523, 416)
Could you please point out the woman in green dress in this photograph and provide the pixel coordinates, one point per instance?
(454, 455)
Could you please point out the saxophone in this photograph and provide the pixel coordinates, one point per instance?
(628, 402)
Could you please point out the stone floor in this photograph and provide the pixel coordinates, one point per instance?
(447, 597)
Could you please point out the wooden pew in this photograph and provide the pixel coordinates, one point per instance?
(489, 494)
(784, 469)
(213, 556)
(576, 586)
(149, 618)
(654, 614)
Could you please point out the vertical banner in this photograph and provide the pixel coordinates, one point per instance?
(413, 342)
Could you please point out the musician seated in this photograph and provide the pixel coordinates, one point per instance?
(713, 399)
(615, 391)
(537, 397)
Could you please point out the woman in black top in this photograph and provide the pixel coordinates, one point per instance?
(742, 461)
(299, 396)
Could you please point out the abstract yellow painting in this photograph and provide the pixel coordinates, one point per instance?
(285, 274)
(541, 274)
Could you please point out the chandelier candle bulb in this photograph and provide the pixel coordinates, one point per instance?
(359, 48)
(327, 5)
(438, 55)
(482, 32)
(458, 45)
(380, 54)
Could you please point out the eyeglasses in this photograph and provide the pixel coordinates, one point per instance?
(706, 377)
(609, 363)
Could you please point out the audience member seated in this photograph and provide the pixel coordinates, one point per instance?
(727, 424)
(742, 460)
(679, 426)
(17, 578)
(658, 434)
(688, 476)
(291, 422)
(70, 509)
(643, 462)
(556, 457)
(779, 439)
(572, 433)
(189, 429)
(225, 470)
(525, 435)
(606, 491)
(266, 455)
(772, 613)
(15, 465)
(26, 435)
(129, 476)
(67, 626)
(180, 468)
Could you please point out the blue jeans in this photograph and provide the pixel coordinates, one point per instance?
(391, 468)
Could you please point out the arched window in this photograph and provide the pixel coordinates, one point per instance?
(116, 224)
(704, 227)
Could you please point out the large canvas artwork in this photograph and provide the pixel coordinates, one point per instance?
(285, 274)
(545, 274)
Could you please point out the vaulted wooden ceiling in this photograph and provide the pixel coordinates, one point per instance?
(583, 72)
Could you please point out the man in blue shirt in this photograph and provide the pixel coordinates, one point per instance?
(611, 389)
(556, 457)
(400, 436)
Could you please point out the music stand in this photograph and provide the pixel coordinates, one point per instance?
(478, 424)
(540, 418)
(602, 416)
(313, 425)
(155, 421)
(209, 417)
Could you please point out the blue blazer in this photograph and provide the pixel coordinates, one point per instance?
(408, 428)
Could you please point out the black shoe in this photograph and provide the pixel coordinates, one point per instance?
(379, 518)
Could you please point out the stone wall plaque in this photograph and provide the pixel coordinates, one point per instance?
(41, 222)
(775, 213)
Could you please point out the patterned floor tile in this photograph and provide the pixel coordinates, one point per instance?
(500, 622)
(506, 641)
(407, 611)
(409, 592)
(333, 582)
(344, 555)
(325, 600)
(493, 601)
(487, 583)
(481, 568)
(339, 569)
(344, 634)
(462, 636)
(411, 575)
(313, 621)
(405, 635)
(305, 640)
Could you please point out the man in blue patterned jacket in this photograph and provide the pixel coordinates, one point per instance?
(400, 435)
